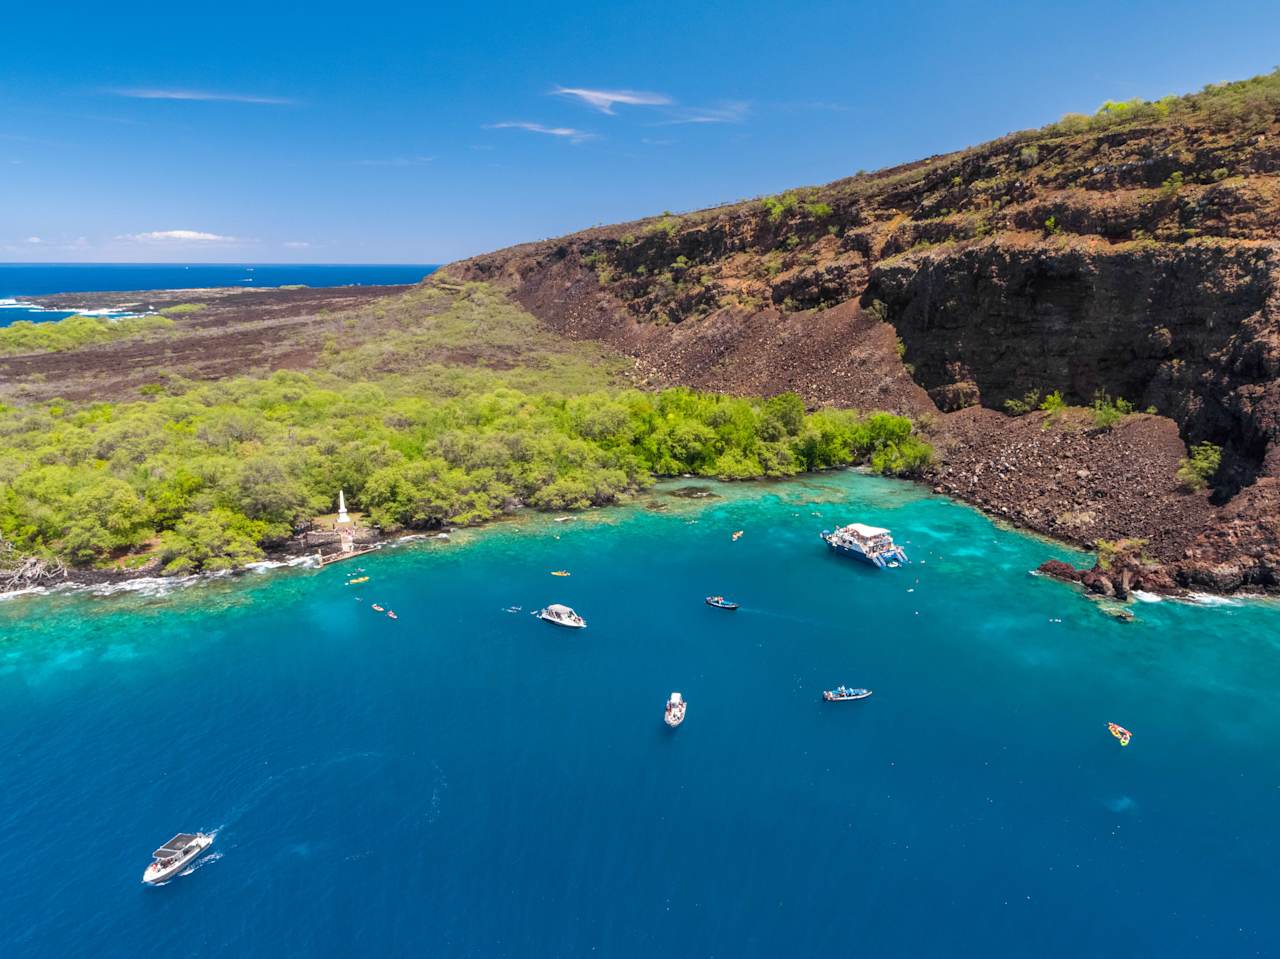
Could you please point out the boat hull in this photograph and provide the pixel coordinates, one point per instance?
(881, 561)
(161, 876)
(559, 622)
(832, 697)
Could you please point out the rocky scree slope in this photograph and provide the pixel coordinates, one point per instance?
(1134, 253)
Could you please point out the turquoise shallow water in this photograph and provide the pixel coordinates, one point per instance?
(470, 782)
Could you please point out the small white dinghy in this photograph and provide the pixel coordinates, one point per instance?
(561, 616)
(175, 855)
(675, 711)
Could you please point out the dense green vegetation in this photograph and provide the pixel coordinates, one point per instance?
(186, 309)
(204, 475)
(73, 332)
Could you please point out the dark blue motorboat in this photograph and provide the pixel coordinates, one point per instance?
(719, 602)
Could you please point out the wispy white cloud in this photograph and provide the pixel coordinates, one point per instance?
(395, 161)
(296, 244)
(604, 100)
(34, 240)
(179, 236)
(569, 133)
(166, 93)
(730, 111)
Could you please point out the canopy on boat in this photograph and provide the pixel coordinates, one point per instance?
(866, 531)
(559, 610)
(175, 845)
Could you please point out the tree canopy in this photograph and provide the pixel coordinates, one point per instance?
(207, 475)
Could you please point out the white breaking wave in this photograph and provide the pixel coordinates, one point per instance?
(29, 591)
(147, 585)
(33, 307)
(266, 565)
(109, 313)
(112, 314)
(1209, 599)
(1142, 596)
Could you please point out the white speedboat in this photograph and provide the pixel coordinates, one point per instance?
(561, 616)
(675, 711)
(843, 694)
(175, 855)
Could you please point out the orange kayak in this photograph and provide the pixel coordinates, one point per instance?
(1120, 733)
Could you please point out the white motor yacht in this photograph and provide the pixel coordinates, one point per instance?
(175, 855)
(675, 711)
(561, 616)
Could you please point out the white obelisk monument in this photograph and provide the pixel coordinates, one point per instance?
(342, 508)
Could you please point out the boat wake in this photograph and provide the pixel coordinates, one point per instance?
(439, 784)
(259, 792)
(199, 864)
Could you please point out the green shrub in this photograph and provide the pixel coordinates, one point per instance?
(185, 309)
(1030, 401)
(1195, 471)
(1053, 403)
(819, 211)
(777, 206)
(1112, 551)
(1051, 227)
(1107, 412)
(1172, 186)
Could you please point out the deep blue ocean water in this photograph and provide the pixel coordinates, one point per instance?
(36, 279)
(471, 782)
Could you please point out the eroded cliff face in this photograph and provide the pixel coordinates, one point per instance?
(1139, 261)
(1189, 330)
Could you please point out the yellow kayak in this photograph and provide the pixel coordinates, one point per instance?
(559, 572)
(358, 579)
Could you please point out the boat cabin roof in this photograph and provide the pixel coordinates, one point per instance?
(174, 845)
(867, 531)
(559, 609)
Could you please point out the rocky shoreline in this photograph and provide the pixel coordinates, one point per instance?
(1125, 571)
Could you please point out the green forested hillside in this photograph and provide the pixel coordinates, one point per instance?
(204, 475)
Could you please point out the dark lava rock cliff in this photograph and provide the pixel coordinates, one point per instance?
(1134, 253)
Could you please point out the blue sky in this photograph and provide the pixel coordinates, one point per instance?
(421, 133)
